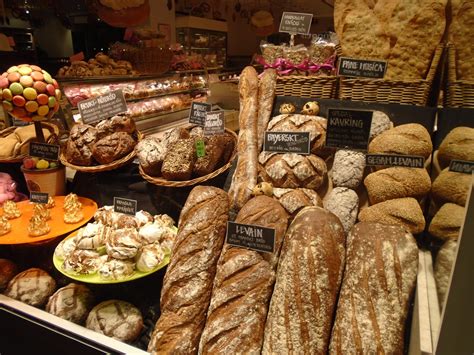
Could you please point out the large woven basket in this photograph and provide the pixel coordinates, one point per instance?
(53, 139)
(410, 92)
(163, 182)
(322, 87)
(458, 93)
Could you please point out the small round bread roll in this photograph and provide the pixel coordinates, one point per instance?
(407, 139)
(32, 286)
(117, 319)
(442, 268)
(447, 222)
(344, 203)
(450, 186)
(72, 302)
(348, 168)
(405, 212)
(8, 269)
(457, 145)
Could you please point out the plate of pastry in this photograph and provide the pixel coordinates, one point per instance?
(116, 247)
(25, 222)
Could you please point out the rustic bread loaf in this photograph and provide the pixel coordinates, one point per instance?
(405, 212)
(113, 147)
(246, 171)
(179, 160)
(407, 139)
(294, 200)
(151, 153)
(8, 269)
(32, 286)
(115, 124)
(397, 182)
(82, 138)
(72, 302)
(447, 222)
(309, 273)
(343, 203)
(214, 147)
(450, 186)
(457, 145)
(442, 268)
(266, 95)
(292, 170)
(187, 285)
(379, 279)
(348, 168)
(462, 37)
(243, 286)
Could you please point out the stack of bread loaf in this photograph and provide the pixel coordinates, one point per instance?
(395, 31)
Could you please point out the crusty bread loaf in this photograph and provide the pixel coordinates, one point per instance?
(344, 203)
(397, 182)
(309, 276)
(406, 139)
(348, 168)
(457, 145)
(462, 36)
(72, 302)
(447, 222)
(379, 279)
(442, 268)
(450, 186)
(245, 175)
(187, 285)
(266, 95)
(405, 212)
(32, 286)
(243, 286)
(294, 200)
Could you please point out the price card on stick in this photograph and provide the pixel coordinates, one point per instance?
(198, 111)
(125, 205)
(287, 142)
(39, 197)
(102, 107)
(44, 151)
(374, 69)
(296, 23)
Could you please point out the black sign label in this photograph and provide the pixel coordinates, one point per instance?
(251, 237)
(102, 107)
(214, 123)
(348, 129)
(39, 197)
(287, 142)
(197, 114)
(124, 205)
(296, 23)
(362, 68)
(44, 151)
(461, 166)
(408, 161)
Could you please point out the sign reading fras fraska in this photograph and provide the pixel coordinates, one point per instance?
(296, 23)
(101, 107)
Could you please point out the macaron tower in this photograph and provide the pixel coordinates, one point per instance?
(29, 93)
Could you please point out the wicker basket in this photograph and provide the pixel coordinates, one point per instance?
(153, 60)
(410, 92)
(104, 167)
(458, 93)
(53, 139)
(321, 87)
(163, 182)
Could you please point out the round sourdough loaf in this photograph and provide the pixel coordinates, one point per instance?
(447, 222)
(72, 302)
(32, 286)
(457, 145)
(450, 186)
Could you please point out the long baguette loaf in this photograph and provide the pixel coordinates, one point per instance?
(266, 94)
(245, 175)
(309, 276)
(379, 278)
(187, 285)
(243, 286)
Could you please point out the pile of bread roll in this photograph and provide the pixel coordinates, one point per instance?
(17, 142)
(100, 65)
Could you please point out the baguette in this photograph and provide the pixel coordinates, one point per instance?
(266, 94)
(187, 285)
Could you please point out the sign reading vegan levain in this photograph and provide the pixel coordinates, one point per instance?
(101, 107)
(44, 151)
(287, 142)
(124, 205)
(461, 166)
(197, 114)
(39, 197)
(348, 129)
(408, 161)
(296, 23)
(214, 123)
(251, 237)
(362, 68)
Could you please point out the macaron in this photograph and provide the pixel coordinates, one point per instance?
(35, 68)
(50, 89)
(42, 99)
(13, 77)
(58, 94)
(12, 69)
(26, 70)
(7, 94)
(26, 81)
(4, 75)
(55, 83)
(43, 110)
(37, 76)
(23, 65)
(19, 101)
(51, 101)
(7, 105)
(30, 94)
(3, 83)
(16, 88)
(39, 86)
(47, 77)
(31, 106)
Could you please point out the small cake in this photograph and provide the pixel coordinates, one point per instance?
(83, 262)
(38, 226)
(149, 257)
(8, 270)
(72, 302)
(51, 203)
(123, 243)
(42, 211)
(115, 269)
(70, 201)
(10, 210)
(5, 226)
(32, 286)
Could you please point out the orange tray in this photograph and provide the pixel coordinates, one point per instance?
(19, 233)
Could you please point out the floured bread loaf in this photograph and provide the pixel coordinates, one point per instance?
(72, 302)
(295, 199)
(32, 286)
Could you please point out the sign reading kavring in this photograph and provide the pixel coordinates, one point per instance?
(296, 23)
(251, 237)
(102, 107)
(362, 68)
(348, 129)
(125, 205)
(287, 142)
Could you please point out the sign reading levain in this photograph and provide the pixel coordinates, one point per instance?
(296, 23)
(251, 237)
(102, 107)
(348, 129)
(124, 205)
(287, 142)
(461, 166)
(214, 123)
(362, 68)
(407, 161)
(197, 114)
(44, 151)
(39, 197)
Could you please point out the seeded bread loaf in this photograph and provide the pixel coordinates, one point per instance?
(452, 187)
(447, 222)
(457, 145)
(214, 149)
(179, 160)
